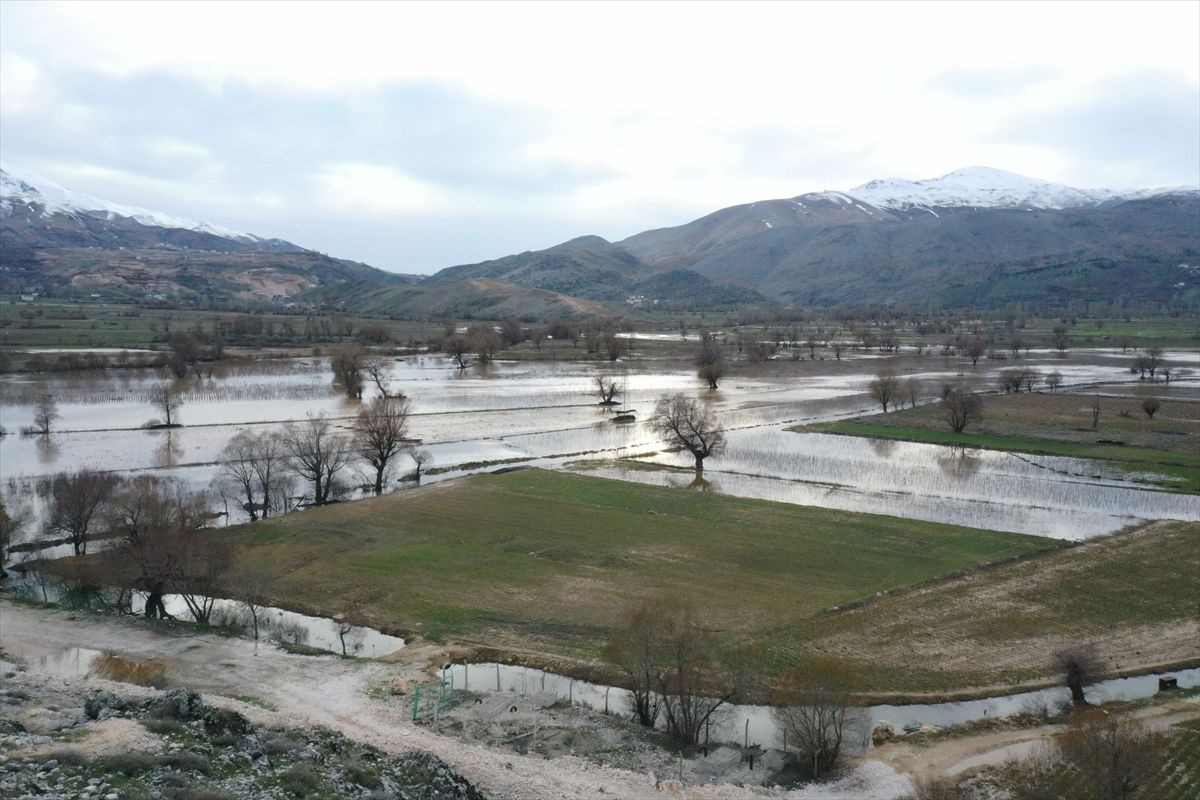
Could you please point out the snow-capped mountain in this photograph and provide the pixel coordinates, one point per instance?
(984, 187)
(22, 187)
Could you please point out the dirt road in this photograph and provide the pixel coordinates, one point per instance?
(345, 695)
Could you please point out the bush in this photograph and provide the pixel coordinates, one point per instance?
(362, 775)
(131, 763)
(300, 779)
(163, 727)
(185, 761)
(281, 744)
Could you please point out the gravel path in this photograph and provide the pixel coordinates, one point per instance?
(337, 693)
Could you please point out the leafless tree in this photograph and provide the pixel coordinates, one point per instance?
(1095, 413)
(1114, 758)
(511, 332)
(380, 433)
(238, 469)
(1151, 405)
(347, 365)
(377, 370)
(76, 503)
(961, 407)
(885, 388)
(912, 388)
(45, 412)
(607, 387)
(692, 685)
(420, 458)
(974, 348)
(1154, 358)
(167, 401)
(1054, 380)
(347, 622)
(816, 710)
(156, 521)
(252, 588)
(317, 454)
(456, 347)
(686, 423)
(613, 344)
(633, 649)
(710, 363)
(14, 517)
(1029, 378)
(1079, 667)
(483, 342)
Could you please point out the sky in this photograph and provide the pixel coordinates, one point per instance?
(418, 136)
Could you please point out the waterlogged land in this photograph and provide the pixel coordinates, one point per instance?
(544, 413)
(1159, 450)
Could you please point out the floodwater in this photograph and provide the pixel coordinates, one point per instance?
(756, 725)
(545, 414)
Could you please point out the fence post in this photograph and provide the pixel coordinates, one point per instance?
(747, 739)
(416, 703)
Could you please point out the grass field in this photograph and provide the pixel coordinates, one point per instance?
(545, 563)
(1136, 596)
(1161, 452)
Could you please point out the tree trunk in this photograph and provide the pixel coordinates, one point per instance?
(699, 463)
(379, 480)
(155, 608)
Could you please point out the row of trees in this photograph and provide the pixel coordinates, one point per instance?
(260, 468)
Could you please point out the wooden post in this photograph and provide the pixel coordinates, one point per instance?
(747, 739)
(785, 741)
(497, 677)
(466, 677)
(571, 693)
(606, 691)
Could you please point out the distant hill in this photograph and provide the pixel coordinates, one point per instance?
(975, 237)
(66, 243)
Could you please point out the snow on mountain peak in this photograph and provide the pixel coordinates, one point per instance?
(978, 187)
(19, 185)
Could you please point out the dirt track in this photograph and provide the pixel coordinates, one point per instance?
(335, 693)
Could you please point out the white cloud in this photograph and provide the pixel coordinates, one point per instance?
(374, 190)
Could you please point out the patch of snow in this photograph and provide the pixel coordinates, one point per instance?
(18, 185)
(986, 187)
(769, 225)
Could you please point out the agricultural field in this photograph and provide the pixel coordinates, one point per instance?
(1135, 596)
(543, 564)
(1160, 451)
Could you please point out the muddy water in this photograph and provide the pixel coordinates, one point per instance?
(756, 724)
(545, 415)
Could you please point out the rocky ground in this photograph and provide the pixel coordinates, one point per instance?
(61, 740)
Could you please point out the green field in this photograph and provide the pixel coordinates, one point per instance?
(544, 563)
(1161, 452)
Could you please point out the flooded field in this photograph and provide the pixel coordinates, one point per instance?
(546, 414)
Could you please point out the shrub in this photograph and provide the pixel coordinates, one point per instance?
(185, 761)
(300, 780)
(131, 763)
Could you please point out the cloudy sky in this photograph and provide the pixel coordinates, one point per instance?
(416, 136)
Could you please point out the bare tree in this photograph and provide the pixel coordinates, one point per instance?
(974, 348)
(511, 332)
(1079, 667)
(347, 622)
(1054, 380)
(613, 344)
(156, 519)
(686, 423)
(76, 504)
(380, 433)
(238, 469)
(14, 517)
(1095, 413)
(45, 412)
(607, 387)
(1113, 756)
(317, 454)
(168, 402)
(1154, 359)
(456, 347)
(961, 407)
(483, 341)
(253, 586)
(885, 388)
(912, 388)
(1029, 379)
(710, 363)
(633, 649)
(377, 370)
(1151, 405)
(347, 365)
(420, 458)
(692, 685)
(816, 710)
